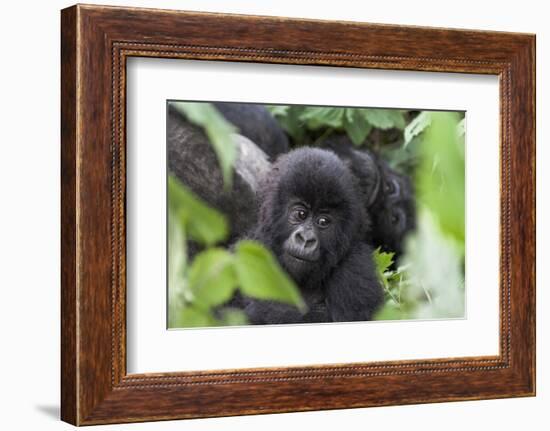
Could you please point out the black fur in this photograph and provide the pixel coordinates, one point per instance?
(341, 284)
(257, 124)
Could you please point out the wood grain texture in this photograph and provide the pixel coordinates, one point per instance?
(69, 397)
(96, 41)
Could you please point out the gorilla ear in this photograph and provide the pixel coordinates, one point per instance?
(371, 177)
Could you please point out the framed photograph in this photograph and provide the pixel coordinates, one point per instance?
(264, 215)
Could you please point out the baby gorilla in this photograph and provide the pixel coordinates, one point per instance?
(312, 218)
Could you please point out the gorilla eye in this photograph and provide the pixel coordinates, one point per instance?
(391, 187)
(323, 222)
(298, 214)
(301, 214)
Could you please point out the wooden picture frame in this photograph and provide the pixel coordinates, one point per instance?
(96, 41)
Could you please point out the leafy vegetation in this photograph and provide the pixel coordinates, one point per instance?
(426, 282)
(429, 280)
(198, 289)
(300, 121)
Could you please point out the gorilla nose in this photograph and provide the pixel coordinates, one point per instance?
(306, 239)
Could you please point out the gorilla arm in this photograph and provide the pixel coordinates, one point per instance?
(262, 312)
(353, 291)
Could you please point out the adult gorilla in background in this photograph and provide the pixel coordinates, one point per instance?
(257, 124)
(386, 194)
(312, 219)
(193, 161)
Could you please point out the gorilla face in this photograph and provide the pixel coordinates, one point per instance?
(395, 215)
(387, 195)
(313, 219)
(311, 211)
(310, 231)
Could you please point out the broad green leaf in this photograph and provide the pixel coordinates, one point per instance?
(390, 311)
(317, 117)
(212, 278)
(177, 262)
(461, 127)
(218, 130)
(260, 275)
(194, 317)
(441, 175)
(435, 271)
(233, 317)
(202, 223)
(416, 126)
(356, 125)
(385, 118)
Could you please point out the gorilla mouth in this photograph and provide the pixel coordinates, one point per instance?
(302, 258)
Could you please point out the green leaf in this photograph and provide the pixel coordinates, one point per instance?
(193, 317)
(356, 125)
(233, 317)
(289, 119)
(440, 177)
(218, 130)
(177, 264)
(383, 261)
(260, 275)
(390, 311)
(202, 223)
(435, 270)
(317, 117)
(278, 110)
(416, 126)
(212, 278)
(461, 127)
(385, 118)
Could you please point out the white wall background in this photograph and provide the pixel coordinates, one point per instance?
(29, 215)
